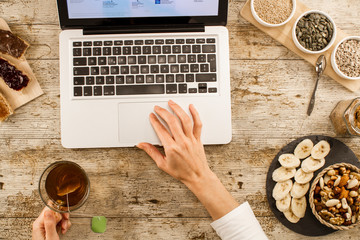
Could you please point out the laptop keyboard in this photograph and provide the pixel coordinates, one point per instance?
(150, 66)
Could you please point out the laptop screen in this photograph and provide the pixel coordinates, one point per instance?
(79, 9)
(85, 14)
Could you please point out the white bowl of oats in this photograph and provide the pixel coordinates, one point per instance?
(345, 58)
(273, 13)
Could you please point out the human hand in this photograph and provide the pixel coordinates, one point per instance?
(184, 157)
(46, 225)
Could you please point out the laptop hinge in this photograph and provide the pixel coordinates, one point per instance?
(144, 29)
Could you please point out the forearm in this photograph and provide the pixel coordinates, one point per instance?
(213, 195)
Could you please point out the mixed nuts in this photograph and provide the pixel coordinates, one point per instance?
(336, 196)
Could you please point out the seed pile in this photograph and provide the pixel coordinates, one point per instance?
(273, 11)
(314, 31)
(348, 58)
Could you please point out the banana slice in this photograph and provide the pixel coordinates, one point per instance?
(303, 177)
(299, 190)
(289, 160)
(303, 149)
(320, 150)
(311, 165)
(282, 174)
(298, 206)
(291, 217)
(282, 189)
(284, 204)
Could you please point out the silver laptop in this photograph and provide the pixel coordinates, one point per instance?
(120, 58)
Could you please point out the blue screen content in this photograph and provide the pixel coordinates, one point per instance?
(141, 8)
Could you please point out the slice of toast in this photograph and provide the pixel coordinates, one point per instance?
(5, 108)
(12, 44)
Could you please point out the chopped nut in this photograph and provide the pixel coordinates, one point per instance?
(331, 172)
(343, 180)
(332, 202)
(352, 183)
(353, 194)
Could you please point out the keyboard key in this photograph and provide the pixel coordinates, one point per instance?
(140, 79)
(90, 80)
(146, 50)
(129, 42)
(183, 88)
(171, 58)
(77, 91)
(160, 78)
(92, 61)
(181, 58)
(139, 42)
(186, 49)
(111, 60)
(79, 80)
(200, 40)
(176, 49)
(161, 59)
(124, 70)
(120, 79)
(87, 52)
(192, 90)
(151, 59)
(191, 58)
(137, 50)
(211, 58)
(109, 90)
(98, 91)
(196, 49)
(184, 68)
(108, 43)
(77, 44)
(190, 41)
(159, 41)
(130, 79)
(87, 44)
(79, 61)
(140, 89)
(126, 50)
(95, 70)
(206, 77)
(149, 42)
(121, 60)
(212, 90)
(194, 67)
(202, 87)
(102, 60)
(76, 52)
(150, 79)
(87, 91)
(180, 41)
(154, 69)
(134, 69)
(174, 68)
(110, 80)
(170, 78)
(156, 49)
(164, 68)
(114, 70)
(145, 69)
(171, 88)
(100, 80)
(201, 58)
(96, 51)
(210, 40)
(118, 42)
(204, 67)
(142, 59)
(202, 90)
(81, 71)
(131, 60)
(180, 78)
(190, 78)
(166, 49)
(169, 41)
(208, 49)
(105, 70)
(117, 50)
(97, 43)
(107, 50)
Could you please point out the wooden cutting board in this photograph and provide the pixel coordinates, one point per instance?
(31, 91)
(283, 35)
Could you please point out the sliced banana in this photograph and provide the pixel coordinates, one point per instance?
(282, 174)
(299, 190)
(311, 165)
(284, 204)
(282, 189)
(290, 216)
(289, 160)
(303, 177)
(320, 150)
(298, 206)
(303, 149)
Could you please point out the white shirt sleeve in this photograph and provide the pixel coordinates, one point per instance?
(238, 224)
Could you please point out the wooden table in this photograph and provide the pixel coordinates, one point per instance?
(271, 89)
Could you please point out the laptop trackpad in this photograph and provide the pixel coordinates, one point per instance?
(134, 123)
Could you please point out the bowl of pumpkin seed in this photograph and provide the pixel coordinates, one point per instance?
(314, 32)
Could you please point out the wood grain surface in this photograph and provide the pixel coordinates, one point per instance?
(270, 87)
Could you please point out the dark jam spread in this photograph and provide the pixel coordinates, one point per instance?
(11, 44)
(14, 78)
